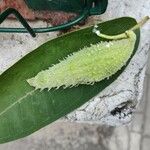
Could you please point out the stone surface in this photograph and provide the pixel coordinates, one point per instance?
(148, 67)
(137, 123)
(146, 144)
(70, 136)
(135, 139)
(147, 110)
(65, 136)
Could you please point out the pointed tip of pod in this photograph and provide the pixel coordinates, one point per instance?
(32, 83)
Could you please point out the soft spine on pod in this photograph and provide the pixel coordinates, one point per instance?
(90, 64)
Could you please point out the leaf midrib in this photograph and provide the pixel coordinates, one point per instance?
(17, 101)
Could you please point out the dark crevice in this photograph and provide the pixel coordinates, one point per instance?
(124, 108)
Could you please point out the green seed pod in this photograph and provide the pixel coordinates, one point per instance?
(87, 66)
(90, 64)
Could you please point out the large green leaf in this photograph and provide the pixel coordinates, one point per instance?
(23, 110)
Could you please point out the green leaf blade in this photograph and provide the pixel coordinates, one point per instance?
(24, 110)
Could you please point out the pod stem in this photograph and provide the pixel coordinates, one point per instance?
(122, 35)
(140, 24)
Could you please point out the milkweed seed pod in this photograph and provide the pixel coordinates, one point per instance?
(88, 65)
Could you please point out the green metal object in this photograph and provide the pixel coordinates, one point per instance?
(19, 17)
(83, 8)
(63, 5)
(96, 6)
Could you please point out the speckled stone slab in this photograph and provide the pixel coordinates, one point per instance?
(114, 105)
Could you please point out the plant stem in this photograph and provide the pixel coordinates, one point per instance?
(113, 37)
(123, 35)
(140, 24)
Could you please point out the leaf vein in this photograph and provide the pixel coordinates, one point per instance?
(18, 101)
